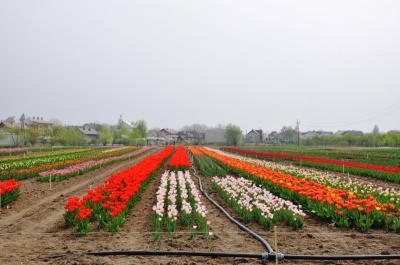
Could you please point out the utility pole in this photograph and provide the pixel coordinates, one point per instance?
(298, 132)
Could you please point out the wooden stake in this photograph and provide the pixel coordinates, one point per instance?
(343, 168)
(276, 245)
(0, 200)
(50, 181)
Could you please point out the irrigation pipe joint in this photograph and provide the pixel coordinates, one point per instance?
(272, 256)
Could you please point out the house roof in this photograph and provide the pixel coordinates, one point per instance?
(10, 120)
(30, 121)
(273, 134)
(169, 131)
(128, 125)
(10, 125)
(357, 133)
(88, 131)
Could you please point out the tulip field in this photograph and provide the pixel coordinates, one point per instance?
(57, 206)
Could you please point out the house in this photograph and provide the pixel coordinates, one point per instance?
(93, 125)
(254, 136)
(171, 136)
(166, 132)
(130, 126)
(10, 120)
(90, 134)
(44, 127)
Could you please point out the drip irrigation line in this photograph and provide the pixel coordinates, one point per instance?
(241, 226)
(166, 253)
(342, 257)
(265, 256)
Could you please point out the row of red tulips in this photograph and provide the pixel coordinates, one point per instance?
(110, 202)
(9, 191)
(180, 160)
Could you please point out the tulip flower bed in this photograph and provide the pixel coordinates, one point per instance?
(28, 168)
(379, 156)
(178, 202)
(82, 168)
(180, 160)
(9, 191)
(341, 206)
(38, 155)
(253, 203)
(357, 186)
(110, 203)
(12, 151)
(207, 167)
(194, 151)
(388, 173)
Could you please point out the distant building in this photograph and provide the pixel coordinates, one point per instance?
(90, 134)
(93, 125)
(130, 126)
(274, 137)
(349, 132)
(254, 136)
(171, 136)
(38, 122)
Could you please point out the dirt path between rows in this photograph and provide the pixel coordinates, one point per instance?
(32, 229)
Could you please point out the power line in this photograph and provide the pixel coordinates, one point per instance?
(361, 119)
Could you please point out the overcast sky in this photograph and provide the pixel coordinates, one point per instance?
(333, 65)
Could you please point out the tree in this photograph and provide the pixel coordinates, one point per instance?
(375, 131)
(32, 135)
(155, 132)
(142, 127)
(195, 127)
(69, 136)
(55, 122)
(136, 138)
(16, 135)
(233, 134)
(289, 133)
(106, 136)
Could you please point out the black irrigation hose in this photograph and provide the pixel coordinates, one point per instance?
(244, 228)
(265, 255)
(342, 257)
(176, 253)
(169, 253)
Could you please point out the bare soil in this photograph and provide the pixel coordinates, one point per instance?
(32, 230)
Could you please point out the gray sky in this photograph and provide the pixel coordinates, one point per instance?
(257, 64)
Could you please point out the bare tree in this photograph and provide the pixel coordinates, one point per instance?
(375, 130)
(195, 127)
(55, 122)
